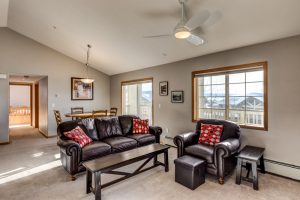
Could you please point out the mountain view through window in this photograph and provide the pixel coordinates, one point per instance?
(235, 95)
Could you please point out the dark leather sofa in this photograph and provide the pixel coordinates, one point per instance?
(110, 135)
(220, 159)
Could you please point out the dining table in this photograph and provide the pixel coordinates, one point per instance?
(86, 114)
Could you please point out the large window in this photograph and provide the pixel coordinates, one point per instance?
(235, 93)
(137, 98)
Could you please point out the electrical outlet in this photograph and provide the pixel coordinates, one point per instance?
(167, 130)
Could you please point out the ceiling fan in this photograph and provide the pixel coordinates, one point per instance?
(187, 28)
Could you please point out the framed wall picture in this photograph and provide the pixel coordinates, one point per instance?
(177, 97)
(80, 90)
(163, 88)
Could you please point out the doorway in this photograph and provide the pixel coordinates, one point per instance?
(20, 107)
(28, 113)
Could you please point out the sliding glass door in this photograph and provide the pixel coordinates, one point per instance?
(137, 98)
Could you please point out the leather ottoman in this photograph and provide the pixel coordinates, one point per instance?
(189, 171)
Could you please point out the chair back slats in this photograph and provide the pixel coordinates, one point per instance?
(76, 110)
(113, 112)
(57, 117)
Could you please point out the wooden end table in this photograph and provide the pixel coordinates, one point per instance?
(250, 155)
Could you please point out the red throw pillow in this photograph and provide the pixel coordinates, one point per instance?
(140, 126)
(210, 134)
(78, 135)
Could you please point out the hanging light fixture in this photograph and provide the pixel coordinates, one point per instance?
(87, 80)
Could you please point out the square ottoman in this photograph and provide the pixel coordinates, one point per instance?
(189, 171)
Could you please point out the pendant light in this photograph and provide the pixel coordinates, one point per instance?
(87, 80)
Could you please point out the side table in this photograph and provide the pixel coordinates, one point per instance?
(250, 155)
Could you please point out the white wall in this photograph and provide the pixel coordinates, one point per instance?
(20, 55)
(281, 140)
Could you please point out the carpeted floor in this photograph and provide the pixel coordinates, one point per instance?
(30, 169)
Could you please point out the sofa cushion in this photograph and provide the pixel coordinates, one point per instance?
(68, 126)
(108, 127)
(89, 124)
(140, 126)
(121, 143)
(126, 123)
(203, 151)
(79, 136)
(143, 139)
(94, 150)
(210, 134)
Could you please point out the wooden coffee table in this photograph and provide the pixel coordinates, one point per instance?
(108, 163)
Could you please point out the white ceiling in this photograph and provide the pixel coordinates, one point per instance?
(115, 28)
(24, 79)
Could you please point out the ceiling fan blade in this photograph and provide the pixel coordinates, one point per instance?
(157, 36)
(213, 19)
(195, 39)
(197, 20)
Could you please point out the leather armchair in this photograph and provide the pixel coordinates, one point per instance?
(221, 157)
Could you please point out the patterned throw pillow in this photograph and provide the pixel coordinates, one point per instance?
(210, 134)
(140, 126)
(78, 135)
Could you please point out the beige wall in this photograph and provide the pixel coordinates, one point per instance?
(20, 55)
(4, 109)
(283, 56)
(43, 105)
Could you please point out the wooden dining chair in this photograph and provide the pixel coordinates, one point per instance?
(113, 112)
(99, 113)
(76, 110)
(57, 117)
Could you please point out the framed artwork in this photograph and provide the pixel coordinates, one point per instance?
(80, 90)
(163, 88)
(177, 97)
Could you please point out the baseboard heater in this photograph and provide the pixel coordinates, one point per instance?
(282, 163)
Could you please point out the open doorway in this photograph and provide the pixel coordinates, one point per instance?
(20, 107)
(28, 106)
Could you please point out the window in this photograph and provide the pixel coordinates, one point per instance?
(235, 93)
(137, 98)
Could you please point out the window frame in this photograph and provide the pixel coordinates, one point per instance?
(235, 68)
(131, 82)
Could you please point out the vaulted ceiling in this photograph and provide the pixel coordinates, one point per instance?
(115, 28)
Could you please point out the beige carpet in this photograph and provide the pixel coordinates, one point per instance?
(30, 169)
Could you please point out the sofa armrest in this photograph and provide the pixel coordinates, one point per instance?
(183, 140)
(67, 146)
(229, 147)
(156, 131)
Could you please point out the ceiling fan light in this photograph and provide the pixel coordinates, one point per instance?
(182, 33)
